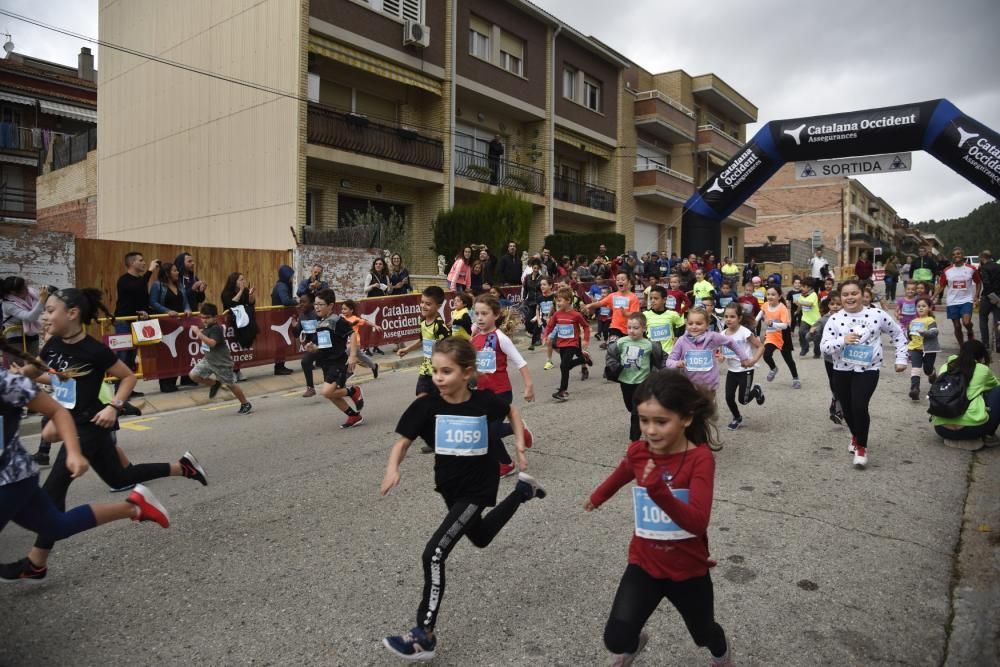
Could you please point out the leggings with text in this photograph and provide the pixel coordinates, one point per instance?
(748, 391)
(98, 447)
(628, 392)
(638, 597)
(463, 519)
(786, 354)
(570, 359)
(27, 505)
(854, 391)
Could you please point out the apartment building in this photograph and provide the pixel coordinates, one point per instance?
(363, 109)
(677, 131)
(837, 212)
(43, 107)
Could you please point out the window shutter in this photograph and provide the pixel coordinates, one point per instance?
(411, 10)
(391, 7)
(512, 45)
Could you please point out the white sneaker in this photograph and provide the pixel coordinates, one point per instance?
(626, 659)
(860, 458)
(853, 446)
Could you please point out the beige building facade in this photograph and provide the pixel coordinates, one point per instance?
(330, 110)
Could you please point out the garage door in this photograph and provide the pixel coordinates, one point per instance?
(646, 237)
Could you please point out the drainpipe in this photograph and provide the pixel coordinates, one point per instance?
(451, 111)
(552, 139)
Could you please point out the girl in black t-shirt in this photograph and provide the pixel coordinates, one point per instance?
(83, 362)
(455, 422)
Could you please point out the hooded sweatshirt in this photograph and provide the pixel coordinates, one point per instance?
(186, 281)
(706, 342)
(282, 294)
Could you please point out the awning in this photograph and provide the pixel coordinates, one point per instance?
(17, 99)
(18, 159)
(372, 64)
(69, 111)
(583, 143)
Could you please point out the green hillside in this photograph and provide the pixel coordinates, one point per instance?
(979, 230)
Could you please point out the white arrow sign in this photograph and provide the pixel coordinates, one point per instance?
(853, 166)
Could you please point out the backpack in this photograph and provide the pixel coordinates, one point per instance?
(948, 396)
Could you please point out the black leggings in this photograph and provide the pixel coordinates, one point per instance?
(786, 354)
(628, 392)
(748, 391)
(308, 364)
(570, 358)
(638, 597)
(463, 519)
(854, 391)
(501, 429)
(98, 447)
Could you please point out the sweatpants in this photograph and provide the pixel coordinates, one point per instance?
(748, 391)
(463, 519)
(27, 505)
(786, 354)
(639, 595)
(98, 447)
(854, 390)
(923, 360)
(628, 392)
(570, 358)
(804, 340)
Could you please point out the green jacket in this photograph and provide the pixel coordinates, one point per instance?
(983, 380)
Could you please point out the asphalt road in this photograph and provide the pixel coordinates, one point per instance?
(290, 557)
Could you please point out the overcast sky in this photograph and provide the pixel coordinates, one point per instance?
(790, 58)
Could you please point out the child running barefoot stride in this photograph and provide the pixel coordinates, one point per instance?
(739, 327)
(672, 504)
(336, 359)
(217, 360)
(456, 423)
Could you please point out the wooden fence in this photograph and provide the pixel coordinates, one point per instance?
(99, 263)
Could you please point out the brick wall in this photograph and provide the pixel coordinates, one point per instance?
(67, 198)
(40, 257)
(344, 268)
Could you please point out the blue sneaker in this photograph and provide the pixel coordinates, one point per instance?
(415, 645)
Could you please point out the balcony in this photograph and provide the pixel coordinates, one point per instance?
(712, 140)
(664, 118)
(359, 134)
(584, 194)
(717, 93)
(861, 239)
(501, 172)
(658, 183)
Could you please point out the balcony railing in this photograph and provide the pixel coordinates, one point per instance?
(14, 138)
(498, 171)
(584, 194)
(74, 149)
(657, 114)
(712, 138)
(861, 237)
(359, 134)
(657, 95)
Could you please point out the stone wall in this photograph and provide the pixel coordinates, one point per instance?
(344, 268)
(67, 198)
(40, 257)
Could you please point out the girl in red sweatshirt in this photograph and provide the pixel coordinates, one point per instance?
(668, 558)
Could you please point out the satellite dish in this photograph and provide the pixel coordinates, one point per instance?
(8, 47)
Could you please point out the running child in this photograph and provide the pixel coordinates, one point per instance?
(701, 288)
(853, 337)
(494, 352)
(630, 361)
(454, 421)
(348, 310)
(923, 345)
(726, 295)
(22, 500)
(809, 314)
(739, 327)
(217, 359)
(604, 319)
(776, 320)
(662, 324)
(668, 555)
(622, 302)
(906, 305)
(78, 366)
(677, 300)
(749, 302)
(546, 304)
(304, 326)
(792, 298)
(336, 349)
(694, 352)
(432, 329)
(831, 306)
(568, 326)
(461, 315)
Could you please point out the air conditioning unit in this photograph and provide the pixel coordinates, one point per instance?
(416, 33)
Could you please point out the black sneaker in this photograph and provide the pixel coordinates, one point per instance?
(23, 571)
(735, 424)
(283, 371)
(245, 409)
(426, 449)
(358, 398)
(41, 459)
(375, 371)
(214, 389)
(191, 469)
(584, 373)
(528, 487)
(560, 396)
(760, 395)
(129, 410)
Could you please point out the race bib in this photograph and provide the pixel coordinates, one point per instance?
(725, 301)
(64, 391)
(671, 302)
(205, 349)
(428, 347)
(545, 307)
(859, 355)
(486, 361)
(917, 327)
(759, 295)
(660, 332)
(959, 284)
(605, 311)
(565, 331)
(698, 361)
(747, 308)
(632, 356)
(619, 301)
(909, 309)
(460, 436)
(651, 522)
(806, 307)
(728, 353)
(796, 297)
(323, 340)
(308, 326)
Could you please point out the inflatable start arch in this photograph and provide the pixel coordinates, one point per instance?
(938, 127)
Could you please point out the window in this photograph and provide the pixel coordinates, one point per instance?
(592, 94)
(731, 247)
(401, 9)
(569, 83)
(715, 121)
(351, 100)
(479, 38)
(512, 64)
(647, 157)
(511, 53)
(472, 138)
